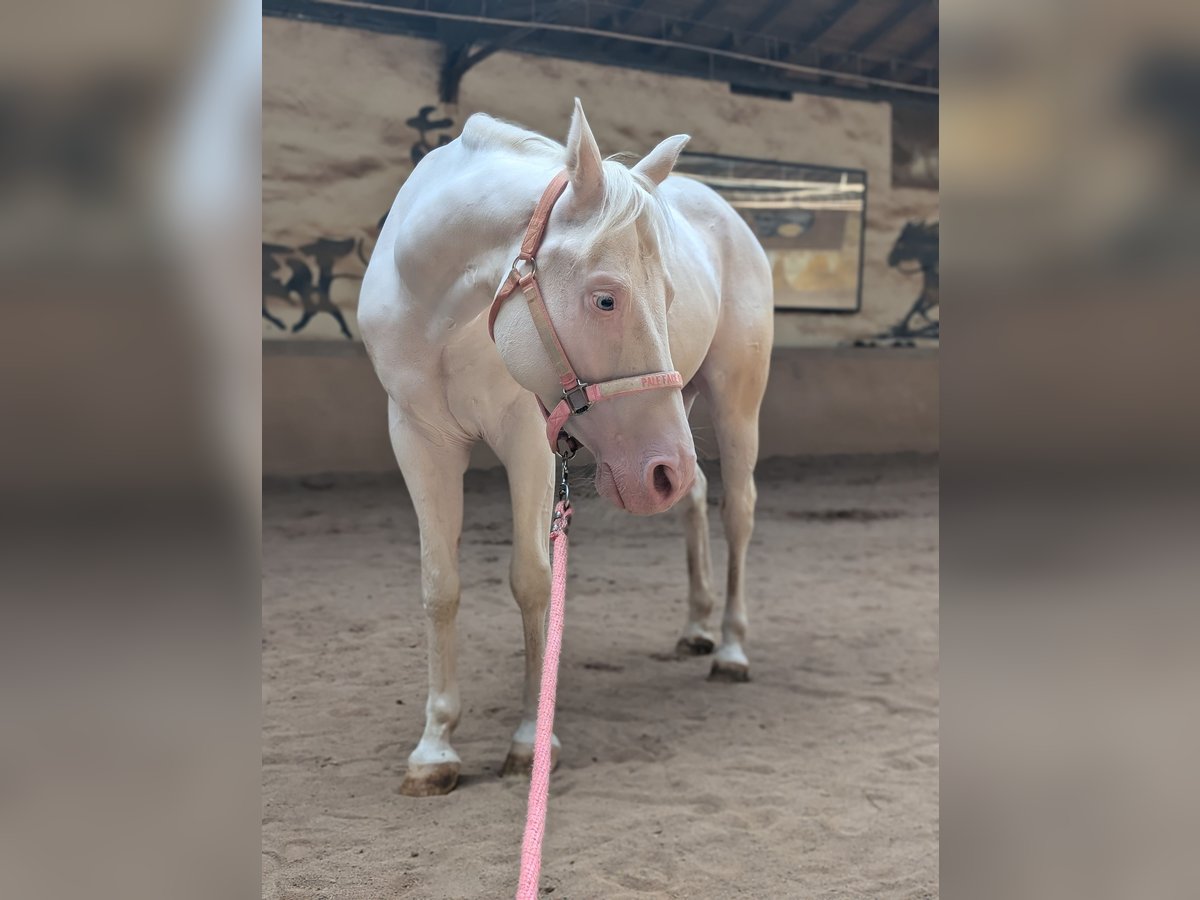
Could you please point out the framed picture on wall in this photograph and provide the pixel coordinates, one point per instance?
(810, 220)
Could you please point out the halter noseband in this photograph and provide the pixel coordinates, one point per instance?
(578, 396)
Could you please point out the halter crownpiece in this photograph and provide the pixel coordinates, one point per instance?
(577, 395)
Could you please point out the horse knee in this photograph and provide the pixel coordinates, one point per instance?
(440, 590)
(529, 578)
(737, 507)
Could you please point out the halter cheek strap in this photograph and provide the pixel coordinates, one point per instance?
(578, 396)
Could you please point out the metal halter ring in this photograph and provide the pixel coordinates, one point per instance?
(565, 446)
(529, 261)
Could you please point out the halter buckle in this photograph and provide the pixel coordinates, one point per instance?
(577, 398)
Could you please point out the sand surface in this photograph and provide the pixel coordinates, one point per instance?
(818, 779)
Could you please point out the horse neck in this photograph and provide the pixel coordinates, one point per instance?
(499, 197)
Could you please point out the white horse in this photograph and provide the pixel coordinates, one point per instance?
(640, 273)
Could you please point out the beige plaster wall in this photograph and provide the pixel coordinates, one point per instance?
(324, 410)
(336, 147)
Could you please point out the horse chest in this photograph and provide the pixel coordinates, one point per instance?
(476, 385)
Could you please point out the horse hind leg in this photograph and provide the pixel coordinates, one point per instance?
(735, 401)
(433, 476)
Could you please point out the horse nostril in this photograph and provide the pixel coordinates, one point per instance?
(663, 484)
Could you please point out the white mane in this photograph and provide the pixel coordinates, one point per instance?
(484, 132)
(629, 198)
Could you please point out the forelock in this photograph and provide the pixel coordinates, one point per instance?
(630, 199)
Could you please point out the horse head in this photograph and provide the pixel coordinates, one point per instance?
(602, 277)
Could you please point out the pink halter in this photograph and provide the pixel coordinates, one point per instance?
(578, 396)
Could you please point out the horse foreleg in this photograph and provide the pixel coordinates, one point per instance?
(696, 638)
(433, 476)
(530, 469)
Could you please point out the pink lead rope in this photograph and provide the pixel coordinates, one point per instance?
(539, 783)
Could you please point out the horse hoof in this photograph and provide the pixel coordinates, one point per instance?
(724, 670)
(520, 760)
(429, 780)
(694, 645)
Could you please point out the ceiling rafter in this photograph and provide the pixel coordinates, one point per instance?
(463, 52)
(620, 18)
(912, 54)
(613, 34)
(682, 30)
(765, 17)
(824, 22)
(886, 25)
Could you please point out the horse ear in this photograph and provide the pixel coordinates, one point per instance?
(658, 163)
(584, 164)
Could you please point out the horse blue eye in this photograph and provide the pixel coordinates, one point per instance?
(606, 302)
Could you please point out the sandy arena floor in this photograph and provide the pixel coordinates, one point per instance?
(818, 779)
